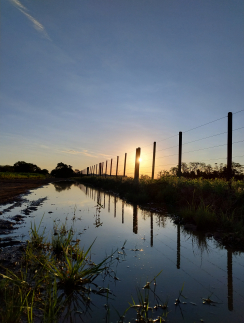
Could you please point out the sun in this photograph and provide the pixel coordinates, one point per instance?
(139, 160)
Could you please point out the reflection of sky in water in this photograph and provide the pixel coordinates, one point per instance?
(203, 268)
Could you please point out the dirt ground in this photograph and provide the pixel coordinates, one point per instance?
(11, 188)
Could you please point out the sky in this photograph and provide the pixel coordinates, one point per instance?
(85, 81)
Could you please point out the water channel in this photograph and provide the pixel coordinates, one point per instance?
(152, 242)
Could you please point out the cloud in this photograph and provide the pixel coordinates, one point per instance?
(104, 155)
(77, 152)
(37, 25)
(44, 146)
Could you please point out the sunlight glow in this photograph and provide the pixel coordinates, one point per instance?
(139, 160)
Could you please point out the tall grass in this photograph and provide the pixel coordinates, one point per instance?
(207, 203)
(49, 285)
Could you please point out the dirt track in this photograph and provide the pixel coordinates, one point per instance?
(11, 188)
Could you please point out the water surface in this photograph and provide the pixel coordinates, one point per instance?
(152, 242)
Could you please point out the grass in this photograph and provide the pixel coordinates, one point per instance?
(50, 286)
(13, 175)
(210, 204)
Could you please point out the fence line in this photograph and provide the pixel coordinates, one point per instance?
(124, 166)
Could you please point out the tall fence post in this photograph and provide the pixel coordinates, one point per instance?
(117, 166)
(229, 147)
(87, 171)
(111, 166)
(137, 163)
(153, 161)
(106, 168)
(125, 163)
(180, 154)
(96, 169)
(99, 169)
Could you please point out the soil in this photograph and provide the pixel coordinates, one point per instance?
(10, 189)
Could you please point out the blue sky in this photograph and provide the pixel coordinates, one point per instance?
(82, 81)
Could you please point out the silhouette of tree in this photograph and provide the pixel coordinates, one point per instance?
(62, 170)
(24, 167)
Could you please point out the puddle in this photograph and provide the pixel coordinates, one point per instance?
(145, 242)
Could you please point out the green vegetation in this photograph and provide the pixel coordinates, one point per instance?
(50, 285)
(13, 175)
(207, 203)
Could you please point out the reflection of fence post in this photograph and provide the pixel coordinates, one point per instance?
(180, 154)
(178, 246)
(115, 206)
(125, 163)
(153, 162)
(135, 219)
(117, 166)
(111, 166)
(123, 210)
(151, 229)
(230, 280)
(229, 147)
(87, 171)
(106, 168)
(137, 163)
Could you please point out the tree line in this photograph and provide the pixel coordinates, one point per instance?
(198, 169)
(61, 170)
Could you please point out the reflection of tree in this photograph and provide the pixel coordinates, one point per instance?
(62, 186)
(160, 220)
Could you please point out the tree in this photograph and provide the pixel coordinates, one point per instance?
(23, 167)
(62, 170)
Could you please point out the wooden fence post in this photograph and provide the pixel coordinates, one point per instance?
(87, 171)
(125, 163)
(117, 166)
(96, 169)
(99, 169)
(137, 163)
(106, 168)
(180, 154)
(153, 162)
(229, 147)
(111, 166)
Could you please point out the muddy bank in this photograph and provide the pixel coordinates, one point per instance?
(10, 189)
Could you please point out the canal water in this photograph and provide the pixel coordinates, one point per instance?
(144, 243)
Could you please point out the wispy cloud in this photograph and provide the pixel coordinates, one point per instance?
(104, 155)
(36, 24)
(44, 146)
(77, 152)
